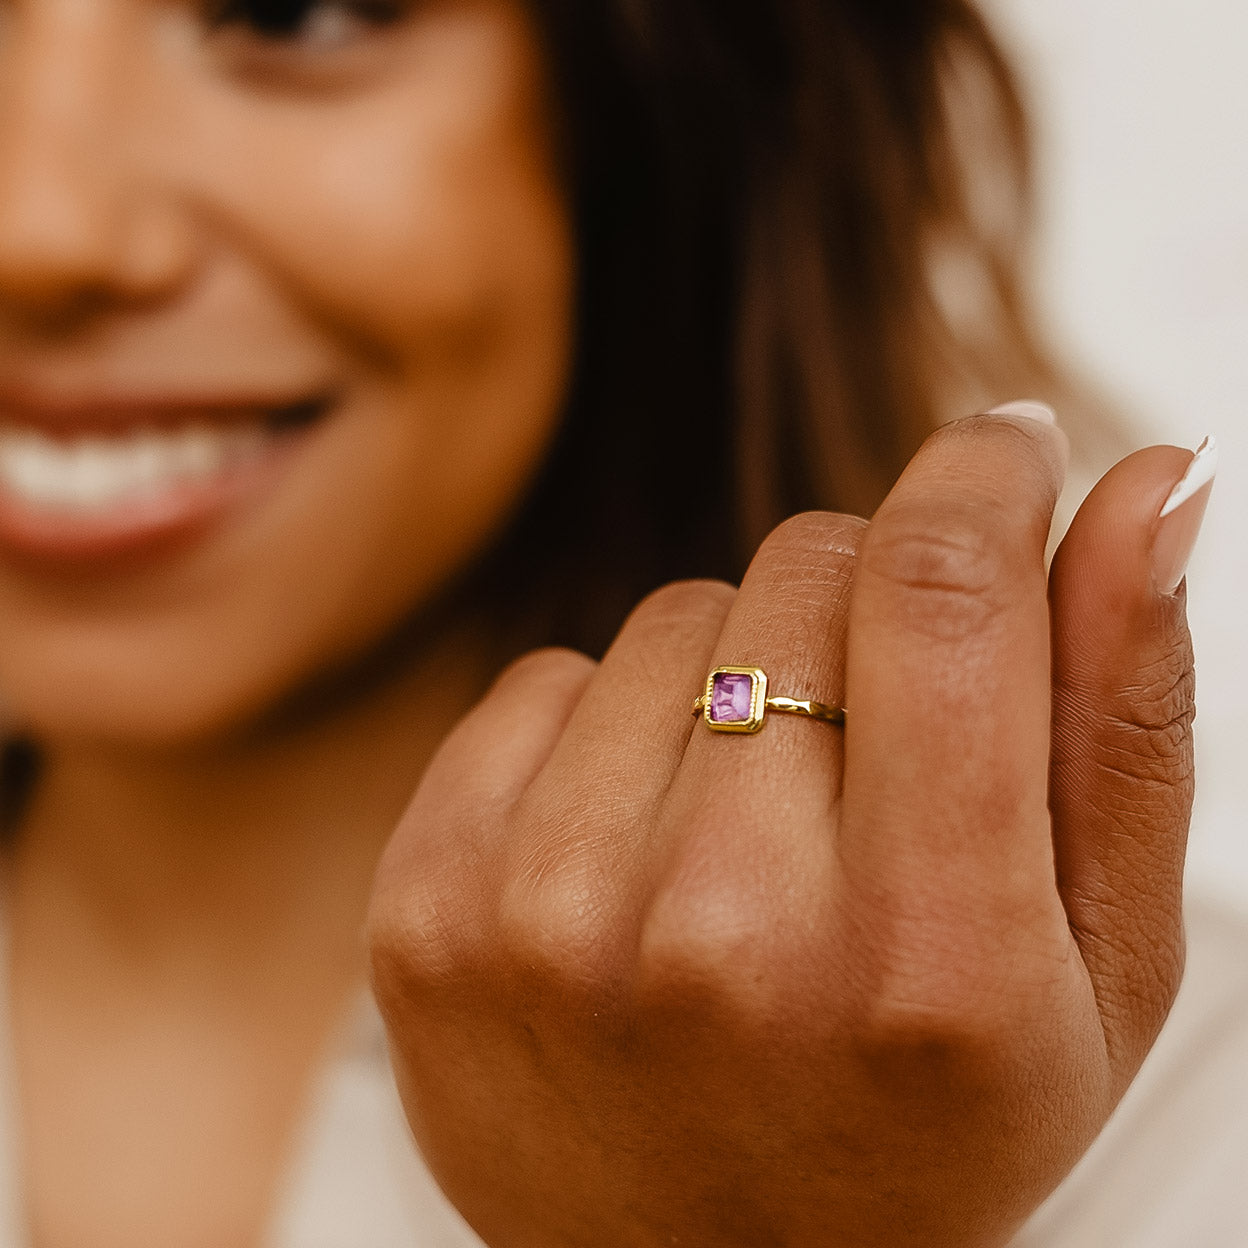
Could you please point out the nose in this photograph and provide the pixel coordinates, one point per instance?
(85, 218)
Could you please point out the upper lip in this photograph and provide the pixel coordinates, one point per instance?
(117, 411)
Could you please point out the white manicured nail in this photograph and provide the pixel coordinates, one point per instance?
(1181, 518)
(1199, 473)
(1027, 409)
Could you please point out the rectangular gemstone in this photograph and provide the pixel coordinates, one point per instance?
(732, 695)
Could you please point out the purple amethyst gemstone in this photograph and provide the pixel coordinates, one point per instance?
(731, 696)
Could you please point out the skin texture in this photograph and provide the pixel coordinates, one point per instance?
(191, 208)
(644, 985)
(668, 986)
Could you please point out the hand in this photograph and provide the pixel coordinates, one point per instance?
(647, 984)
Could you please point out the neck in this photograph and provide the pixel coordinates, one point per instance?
(255, 853)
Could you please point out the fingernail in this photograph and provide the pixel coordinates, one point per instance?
(1180, 518)
(1028, 409)
(1042, 414)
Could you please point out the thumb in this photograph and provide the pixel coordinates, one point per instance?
(1121, 777)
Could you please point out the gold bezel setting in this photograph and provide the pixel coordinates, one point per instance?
(758, 700)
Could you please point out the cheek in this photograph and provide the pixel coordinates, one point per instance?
(425, 210)
(422, 233)
(455, 295)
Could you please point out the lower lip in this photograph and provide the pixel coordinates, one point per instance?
(141, 527)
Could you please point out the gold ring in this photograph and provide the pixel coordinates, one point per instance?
(735, 700)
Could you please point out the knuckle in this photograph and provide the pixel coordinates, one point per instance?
(812, 546)
(1138, 970)
(415, 946)
(1150, 738)
(917, 1005)
(955, 565)
(393, 969)
(424, 925)
(899, 1021)
(718, 961)
(550, 666)
(953, 982)
(1163, 702)
(684, 605)
(691, 973)
(552, 934)
(817, 532)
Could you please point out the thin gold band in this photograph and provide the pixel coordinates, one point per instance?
(793, 706)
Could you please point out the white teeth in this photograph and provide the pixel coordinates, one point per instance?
(88, 472)
(199, 452)
(99, 472)
(150, 465)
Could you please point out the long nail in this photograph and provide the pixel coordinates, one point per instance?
(1180, 518)
(1028, 409)
(1041, 414)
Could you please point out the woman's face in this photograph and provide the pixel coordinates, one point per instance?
(285, 318)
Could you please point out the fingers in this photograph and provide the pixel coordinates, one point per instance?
(592, 808)
(745, 872)
(946, 830)
(516, 726)
(524, 850)
(789, 619)
(1122, 742)
(634, 731)
(435, 886)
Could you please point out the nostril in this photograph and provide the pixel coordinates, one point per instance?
(81, 225)
(75, 241)
(56, 238)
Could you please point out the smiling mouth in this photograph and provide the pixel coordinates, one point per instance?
(107, 483)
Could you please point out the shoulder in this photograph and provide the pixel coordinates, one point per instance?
(1168, 1170)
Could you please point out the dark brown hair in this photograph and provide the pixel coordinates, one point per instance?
(799, 228)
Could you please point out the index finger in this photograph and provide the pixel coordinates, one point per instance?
(948, 689)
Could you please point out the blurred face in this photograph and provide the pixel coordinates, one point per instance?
(285, 303)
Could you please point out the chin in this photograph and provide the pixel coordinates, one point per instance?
(149, 701)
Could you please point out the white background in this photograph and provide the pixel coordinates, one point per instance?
(1142, 115)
